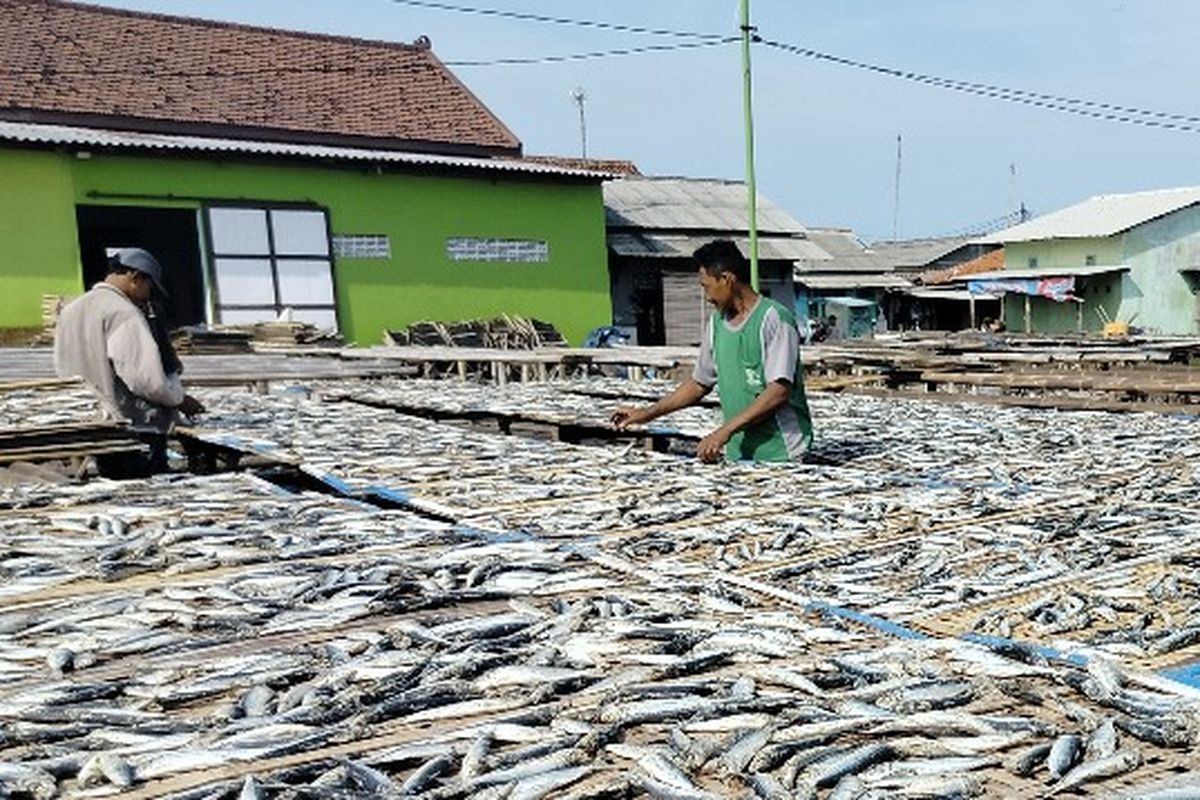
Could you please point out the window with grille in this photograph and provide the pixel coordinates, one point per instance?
(265, 260)
(526, 251)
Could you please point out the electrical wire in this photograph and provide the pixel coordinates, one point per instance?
(1110, 112)
(629, 51)
(578, 23)
(371, 71)
(988, 226)
(1085, 108)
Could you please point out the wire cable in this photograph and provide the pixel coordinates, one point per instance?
(578, 23)
(628, 51)
(987, 226)
(369, 71)
(1085, 108)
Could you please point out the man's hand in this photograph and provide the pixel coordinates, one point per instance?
(712, 447)
(625, 416)
(190, 406)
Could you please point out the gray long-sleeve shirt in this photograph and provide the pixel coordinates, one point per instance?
(105, 339)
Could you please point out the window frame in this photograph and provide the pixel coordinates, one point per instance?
(273, 256)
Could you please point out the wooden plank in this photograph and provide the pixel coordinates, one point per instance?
(1028, 401)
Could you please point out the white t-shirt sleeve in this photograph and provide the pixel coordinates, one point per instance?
(705, 372)
(781, 347)
(134, 356)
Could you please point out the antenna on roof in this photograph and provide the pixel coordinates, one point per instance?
(1016, 210)
(896, 195)
(1012, 188)
(578, 95)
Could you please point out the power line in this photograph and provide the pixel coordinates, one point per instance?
(988, 226)
(1070, 105)
(1085, 108)
(578, 23)
(628, 51)
(367, 71)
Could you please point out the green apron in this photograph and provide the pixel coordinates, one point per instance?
(738, 357)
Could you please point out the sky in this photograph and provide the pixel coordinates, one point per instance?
(826, 132)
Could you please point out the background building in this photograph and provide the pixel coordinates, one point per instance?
(654, 226)
(358, 184)
(1132, 258)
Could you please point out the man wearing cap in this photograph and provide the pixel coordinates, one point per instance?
(106, 338)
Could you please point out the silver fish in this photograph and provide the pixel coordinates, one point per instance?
(1065, 751)
(1118, 763)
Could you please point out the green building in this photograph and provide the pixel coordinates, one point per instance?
(1122, 258)
(349, 183)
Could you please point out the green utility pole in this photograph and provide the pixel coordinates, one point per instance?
(748, 104)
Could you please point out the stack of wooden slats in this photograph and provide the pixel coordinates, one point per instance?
(66, 441)
(291, 334)
(195, 340)
(52, 306)
(506, 332)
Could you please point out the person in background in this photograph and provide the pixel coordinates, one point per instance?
(113, 338)
(750, 351)
(820, 331)
(832, 333)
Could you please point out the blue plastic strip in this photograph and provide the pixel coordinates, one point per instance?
(394, 495)
(496, 536)
(1046, 652)
(870, 620)
(1188, 675)
(335, 483)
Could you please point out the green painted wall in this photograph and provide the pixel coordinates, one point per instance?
(1153, 293)
(1154, 289)
(1048, 316)
(417, 212)
(39, 252)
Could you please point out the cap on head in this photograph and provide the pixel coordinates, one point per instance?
(136, 258)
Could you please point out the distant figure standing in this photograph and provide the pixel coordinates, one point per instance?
(833, 334)
(112, 339)
(751, 351)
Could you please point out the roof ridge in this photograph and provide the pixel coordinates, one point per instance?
(1145, 192)
(725, 181)
(421, 44)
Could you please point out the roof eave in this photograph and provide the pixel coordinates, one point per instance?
(281, 136)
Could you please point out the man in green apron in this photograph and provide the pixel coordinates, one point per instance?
(750, 351)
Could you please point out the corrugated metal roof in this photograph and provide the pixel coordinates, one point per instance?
(1045, 272)
(849, 302)
(915, 253)
(28, 133)
(690, 204)
(1103, 215)
(662, 245)
(852, 281)
(838, 242)
(961, 295)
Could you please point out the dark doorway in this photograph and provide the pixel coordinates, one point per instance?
(647, 301)
(169, 233)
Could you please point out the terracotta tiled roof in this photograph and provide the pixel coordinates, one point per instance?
(611, 166)
(64, 62)
(987, 262)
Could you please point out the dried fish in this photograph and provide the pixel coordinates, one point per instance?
(574, 620)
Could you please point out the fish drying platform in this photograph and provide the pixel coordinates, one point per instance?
(396, 595)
